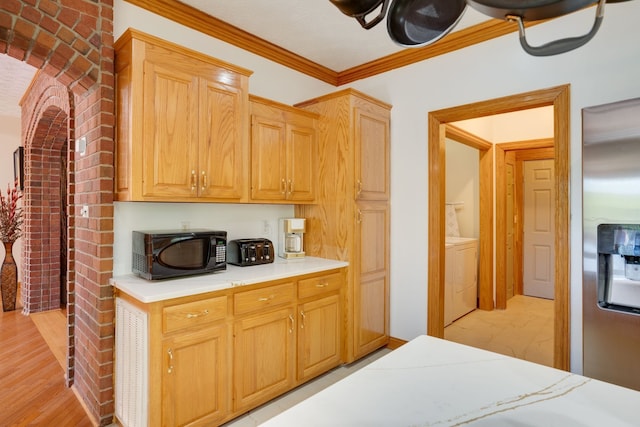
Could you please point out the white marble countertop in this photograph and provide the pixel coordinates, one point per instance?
(433, 382)
(148, 291)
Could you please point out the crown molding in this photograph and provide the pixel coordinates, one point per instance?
(214, 27)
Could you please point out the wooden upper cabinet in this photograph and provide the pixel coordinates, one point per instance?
(283, 153)
(182, 124)
(371, 142)
(169, 144)
(268, 159)
(223, 153)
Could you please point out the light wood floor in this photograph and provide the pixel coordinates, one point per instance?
(524, 330)
(32, 381)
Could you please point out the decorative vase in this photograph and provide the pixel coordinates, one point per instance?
(8, 279)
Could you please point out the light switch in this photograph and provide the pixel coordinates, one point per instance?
(81, 145)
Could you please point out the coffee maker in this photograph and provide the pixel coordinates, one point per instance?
(291, 238)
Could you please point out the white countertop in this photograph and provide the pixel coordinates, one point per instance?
(433, 382)
(147, 291)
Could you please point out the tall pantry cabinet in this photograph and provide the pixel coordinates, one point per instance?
(350, 221)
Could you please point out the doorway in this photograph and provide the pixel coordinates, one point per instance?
(558, 97)
(510, 158)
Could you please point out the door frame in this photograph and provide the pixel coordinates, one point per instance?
(558, 97)
(535, 149)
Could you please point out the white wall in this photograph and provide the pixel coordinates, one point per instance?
(9, 141)
(463, 185)
(604, 70)
(239, 221)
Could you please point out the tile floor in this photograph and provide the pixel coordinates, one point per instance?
(271, 409)
(524, 330)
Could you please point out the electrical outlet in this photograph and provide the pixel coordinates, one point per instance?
(84, 211)
(266, 228)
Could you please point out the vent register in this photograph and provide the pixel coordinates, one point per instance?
(131, 386)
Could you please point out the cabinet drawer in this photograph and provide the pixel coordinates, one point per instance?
(246, 302)
(319, 285)
(194, 313)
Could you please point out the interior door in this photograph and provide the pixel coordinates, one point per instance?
(539, 229)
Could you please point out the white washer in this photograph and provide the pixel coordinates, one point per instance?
(461, 277)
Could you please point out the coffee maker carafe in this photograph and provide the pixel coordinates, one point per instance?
(291, 232)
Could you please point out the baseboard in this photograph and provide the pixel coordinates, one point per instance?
(395, 343)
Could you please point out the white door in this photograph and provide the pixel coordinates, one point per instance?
(539, 229)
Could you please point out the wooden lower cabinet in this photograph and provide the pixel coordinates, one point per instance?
(263, 357)
(214, 357)
(195, 382)
(371, 273)
(319, 336)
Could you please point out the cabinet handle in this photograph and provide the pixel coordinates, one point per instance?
(290, 187)
(205, 184)
(292, 323)
(283, 187)
(263, 299)
(359, 216)
(322, 285)
(303, 319)
(194, 315)
(193, 180)
(170, 353)
(358, 188)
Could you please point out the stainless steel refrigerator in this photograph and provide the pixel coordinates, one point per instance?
(611, 233)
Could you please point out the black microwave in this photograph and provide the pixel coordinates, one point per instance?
(163, 254)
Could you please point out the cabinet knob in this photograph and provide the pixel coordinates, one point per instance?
(205, 184)
(170, 368)
(194, 315)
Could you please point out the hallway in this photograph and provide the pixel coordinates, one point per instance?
(524, 330)
(33, 390)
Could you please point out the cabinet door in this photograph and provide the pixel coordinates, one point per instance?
(195, 380)
(268, 159)
(371, 279)
(221, 141)
(371, 155)
(264, 357)
(170, 161)
(301, 156)
(319, 325)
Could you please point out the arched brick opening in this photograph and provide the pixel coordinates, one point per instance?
(48, 260)
(72, 41)
(46, 136)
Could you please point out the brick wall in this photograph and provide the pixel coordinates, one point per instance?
(72, 42)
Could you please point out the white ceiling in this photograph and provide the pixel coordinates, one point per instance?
(315, 30)
(15, 77)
